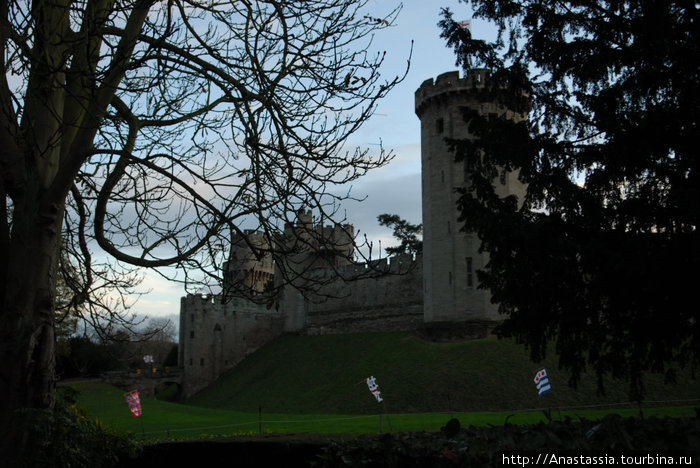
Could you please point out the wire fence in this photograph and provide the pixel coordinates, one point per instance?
(322, 424)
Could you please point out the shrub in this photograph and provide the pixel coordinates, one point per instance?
(68, 438)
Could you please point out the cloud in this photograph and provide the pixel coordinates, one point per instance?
(399, 195)
(162, 297)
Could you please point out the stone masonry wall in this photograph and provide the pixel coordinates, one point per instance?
(215, 336)
(389, 298)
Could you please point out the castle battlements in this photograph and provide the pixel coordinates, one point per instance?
(328, 235)
(215, 302)
(448, 85)
(395, 265)
(199, 299)
(253, 236)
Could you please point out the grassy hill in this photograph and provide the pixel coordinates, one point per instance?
(325, 374)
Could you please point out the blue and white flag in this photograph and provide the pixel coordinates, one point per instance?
(542, 382)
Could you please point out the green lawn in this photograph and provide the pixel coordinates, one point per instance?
(315, 384)
(164, 420)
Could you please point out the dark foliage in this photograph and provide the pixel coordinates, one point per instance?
(602, 255)
(76, 440)
(405, 232)
(590, 442)
(86, 358)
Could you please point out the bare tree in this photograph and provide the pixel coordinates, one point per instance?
(157, 130)
(94, 295)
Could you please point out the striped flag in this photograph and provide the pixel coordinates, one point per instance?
(542, 382)
(134, 402)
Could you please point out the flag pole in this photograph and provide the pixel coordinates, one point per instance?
(143, 431)
(387, 415)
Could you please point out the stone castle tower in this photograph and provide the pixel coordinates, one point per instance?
(450, 256)
(249, 266)
(309, 247)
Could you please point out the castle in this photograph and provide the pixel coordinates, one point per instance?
(398, 293)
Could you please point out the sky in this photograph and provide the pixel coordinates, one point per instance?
(394, 188)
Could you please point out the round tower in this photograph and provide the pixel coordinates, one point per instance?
(450, 256)
(245, 273)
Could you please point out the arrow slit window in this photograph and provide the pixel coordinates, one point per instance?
(470, 273)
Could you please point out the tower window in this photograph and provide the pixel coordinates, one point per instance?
(201, 361)
(449, 281)
(467, 172)
(440, 126)
(470, 273)
(192, 334)
(449, 228)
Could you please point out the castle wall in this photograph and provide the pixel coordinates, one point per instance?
(215, 336)
(389, 298)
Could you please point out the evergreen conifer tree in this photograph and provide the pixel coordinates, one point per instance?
(602, 256)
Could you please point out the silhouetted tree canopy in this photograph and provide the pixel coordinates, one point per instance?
(602, 256)
(409, 234)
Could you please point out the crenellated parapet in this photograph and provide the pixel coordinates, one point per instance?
(449, 86)
(200, 300)
(214, 305)
(308, 245)
(395, 265)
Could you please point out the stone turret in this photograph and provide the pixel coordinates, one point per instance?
(450, 256)
(250, 266)
(309, 246)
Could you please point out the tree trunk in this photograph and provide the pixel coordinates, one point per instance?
(27, 327)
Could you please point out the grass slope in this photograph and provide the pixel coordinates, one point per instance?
(325, 374)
